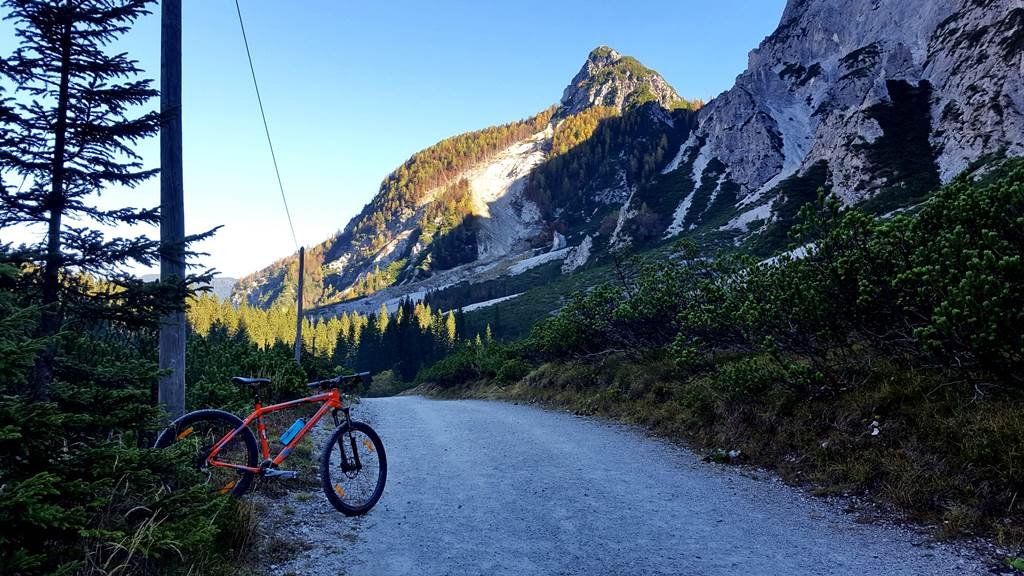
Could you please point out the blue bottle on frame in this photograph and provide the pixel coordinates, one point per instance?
(292, 430)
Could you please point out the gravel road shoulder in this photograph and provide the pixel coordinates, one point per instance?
(484, 487)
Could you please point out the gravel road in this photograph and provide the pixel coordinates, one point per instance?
(480, 487)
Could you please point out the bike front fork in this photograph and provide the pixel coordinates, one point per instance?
(346, 466)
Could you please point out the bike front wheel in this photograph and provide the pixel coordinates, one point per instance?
(353, 468)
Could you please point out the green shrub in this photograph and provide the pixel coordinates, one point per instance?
(512, 371)
(386, 383)
(211, 361)
(945, 286)
(583, 326)
(468, 363)
(79, 490)
(965, 274)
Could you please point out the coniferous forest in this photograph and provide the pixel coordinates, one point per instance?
(80, 489)
(403, 340)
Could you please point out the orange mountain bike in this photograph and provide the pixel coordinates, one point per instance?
(353, 466)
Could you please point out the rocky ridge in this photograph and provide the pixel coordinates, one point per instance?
(851, 84)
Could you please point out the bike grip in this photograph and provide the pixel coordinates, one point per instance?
(364, 376)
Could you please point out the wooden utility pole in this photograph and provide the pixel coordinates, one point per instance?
(172, 208)
(298, 321)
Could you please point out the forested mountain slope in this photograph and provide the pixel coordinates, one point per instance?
(485, 196)
(877, 101)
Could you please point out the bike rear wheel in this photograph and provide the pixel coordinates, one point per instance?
(199, 431)
(353, 468)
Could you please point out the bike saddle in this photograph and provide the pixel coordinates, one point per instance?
(250, 381)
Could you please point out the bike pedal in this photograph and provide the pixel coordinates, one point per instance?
(274, 473)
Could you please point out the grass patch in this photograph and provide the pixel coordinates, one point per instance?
(279, 550)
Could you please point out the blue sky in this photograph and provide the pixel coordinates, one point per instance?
(353, 88)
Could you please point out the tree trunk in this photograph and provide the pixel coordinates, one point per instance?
(50, 322)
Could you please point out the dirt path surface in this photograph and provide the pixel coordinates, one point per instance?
(480, 487)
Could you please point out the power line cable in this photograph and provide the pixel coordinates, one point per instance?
(266, 127)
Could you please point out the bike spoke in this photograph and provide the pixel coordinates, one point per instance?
(354, 468)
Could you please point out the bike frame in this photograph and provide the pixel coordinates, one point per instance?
(330, 399)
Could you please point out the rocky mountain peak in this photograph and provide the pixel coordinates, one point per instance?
(603, 56)
(608, 78)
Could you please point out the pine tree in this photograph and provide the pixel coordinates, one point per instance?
(202, 313)
(74, 113)
(382, 319)
(368, 349)
(331, 329)
(358, 325)
(409, 351)
(422, 313)
(308, 335)
(345, 326)
(346, 341)
(400, 312)
(387, 350)
(449, 329)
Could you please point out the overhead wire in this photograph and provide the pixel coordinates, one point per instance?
(266, 126)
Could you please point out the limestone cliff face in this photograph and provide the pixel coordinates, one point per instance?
(975, 63)
(855, 85)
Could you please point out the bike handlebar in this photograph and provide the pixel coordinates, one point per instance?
(339, 380)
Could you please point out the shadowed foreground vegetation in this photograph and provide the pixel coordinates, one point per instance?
(80, 489)
(887, 362)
